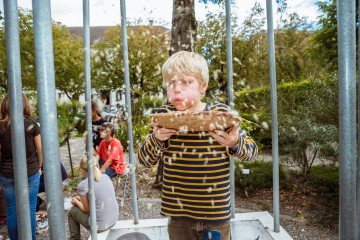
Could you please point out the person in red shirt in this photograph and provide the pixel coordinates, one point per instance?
(110, 152)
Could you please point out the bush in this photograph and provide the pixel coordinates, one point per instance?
(69, 118)
(140, 129)
(260, 176)
(324, 180)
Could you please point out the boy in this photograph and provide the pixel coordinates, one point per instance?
(196, 188)
(110, 152)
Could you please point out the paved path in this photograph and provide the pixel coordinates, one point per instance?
(77, 150)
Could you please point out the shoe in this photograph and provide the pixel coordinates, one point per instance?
(67, 204)
(42, 225)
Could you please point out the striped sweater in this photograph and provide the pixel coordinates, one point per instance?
(196, 171)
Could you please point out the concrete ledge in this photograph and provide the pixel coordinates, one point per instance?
(250, 225)
(266, 221)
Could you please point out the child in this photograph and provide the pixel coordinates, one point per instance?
(110, 152)
(107, 209)
(196, 188)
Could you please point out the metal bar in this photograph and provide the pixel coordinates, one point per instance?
(230, 97)
(44, 57)
(71, 163)
(358, 140)
(274, 117)
(128, 109)
(347, 117)
(17, 118)
(89, 145)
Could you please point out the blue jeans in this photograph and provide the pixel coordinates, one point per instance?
(109, 171)
(8, 185)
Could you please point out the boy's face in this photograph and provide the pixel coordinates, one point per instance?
(104, 133)
(185, 92)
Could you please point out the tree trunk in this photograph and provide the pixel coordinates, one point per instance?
(183, 36)
(184, 25)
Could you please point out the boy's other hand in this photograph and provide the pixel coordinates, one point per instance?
(162, 134)
(230, 139)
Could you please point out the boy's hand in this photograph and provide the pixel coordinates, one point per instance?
(230, 139)
(162, 134)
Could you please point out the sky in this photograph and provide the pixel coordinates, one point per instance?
(107, 12)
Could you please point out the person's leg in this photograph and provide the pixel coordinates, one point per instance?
(41, 186)
(110, 172)
(181, 229)
(222, 227)
(8, 187)
(75, 218)
(33, 185)
(101, 162)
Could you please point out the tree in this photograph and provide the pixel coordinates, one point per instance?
(147, 51)
(68, 61)
(308, 119)
(293, 41)
(325, 39)
(67, 57)
(184, 25)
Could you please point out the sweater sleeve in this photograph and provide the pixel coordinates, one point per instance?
(246, 149)
(152, 149)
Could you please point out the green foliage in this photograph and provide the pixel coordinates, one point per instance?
(250, 50)
(147, 53)
(140, 127)
(68, 57)
(74, 181)
(68, 62)
(308, 119)
(260, 176)
(69, 118)
(324, 180)
(325, 50)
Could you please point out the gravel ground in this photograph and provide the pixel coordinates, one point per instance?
(297, 218)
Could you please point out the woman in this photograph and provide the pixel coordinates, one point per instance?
(97, 120)
(33, 159)
(107, 208)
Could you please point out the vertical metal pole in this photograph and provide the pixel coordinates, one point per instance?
(358, 141)
(48, 116)
(69, 151)
(230, 90)
(274, 118)
(17, 118)
(347, 117)
(89, 145)
(128, 108)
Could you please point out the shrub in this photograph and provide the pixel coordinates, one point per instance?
(69, 118)
(324, 180)
(308, 119)
(140, 129)
(260, 175)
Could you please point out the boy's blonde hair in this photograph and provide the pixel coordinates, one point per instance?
(186, 63)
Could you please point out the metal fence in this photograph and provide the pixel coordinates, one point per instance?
(349, 189)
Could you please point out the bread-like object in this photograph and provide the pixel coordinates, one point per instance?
(200, 121)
